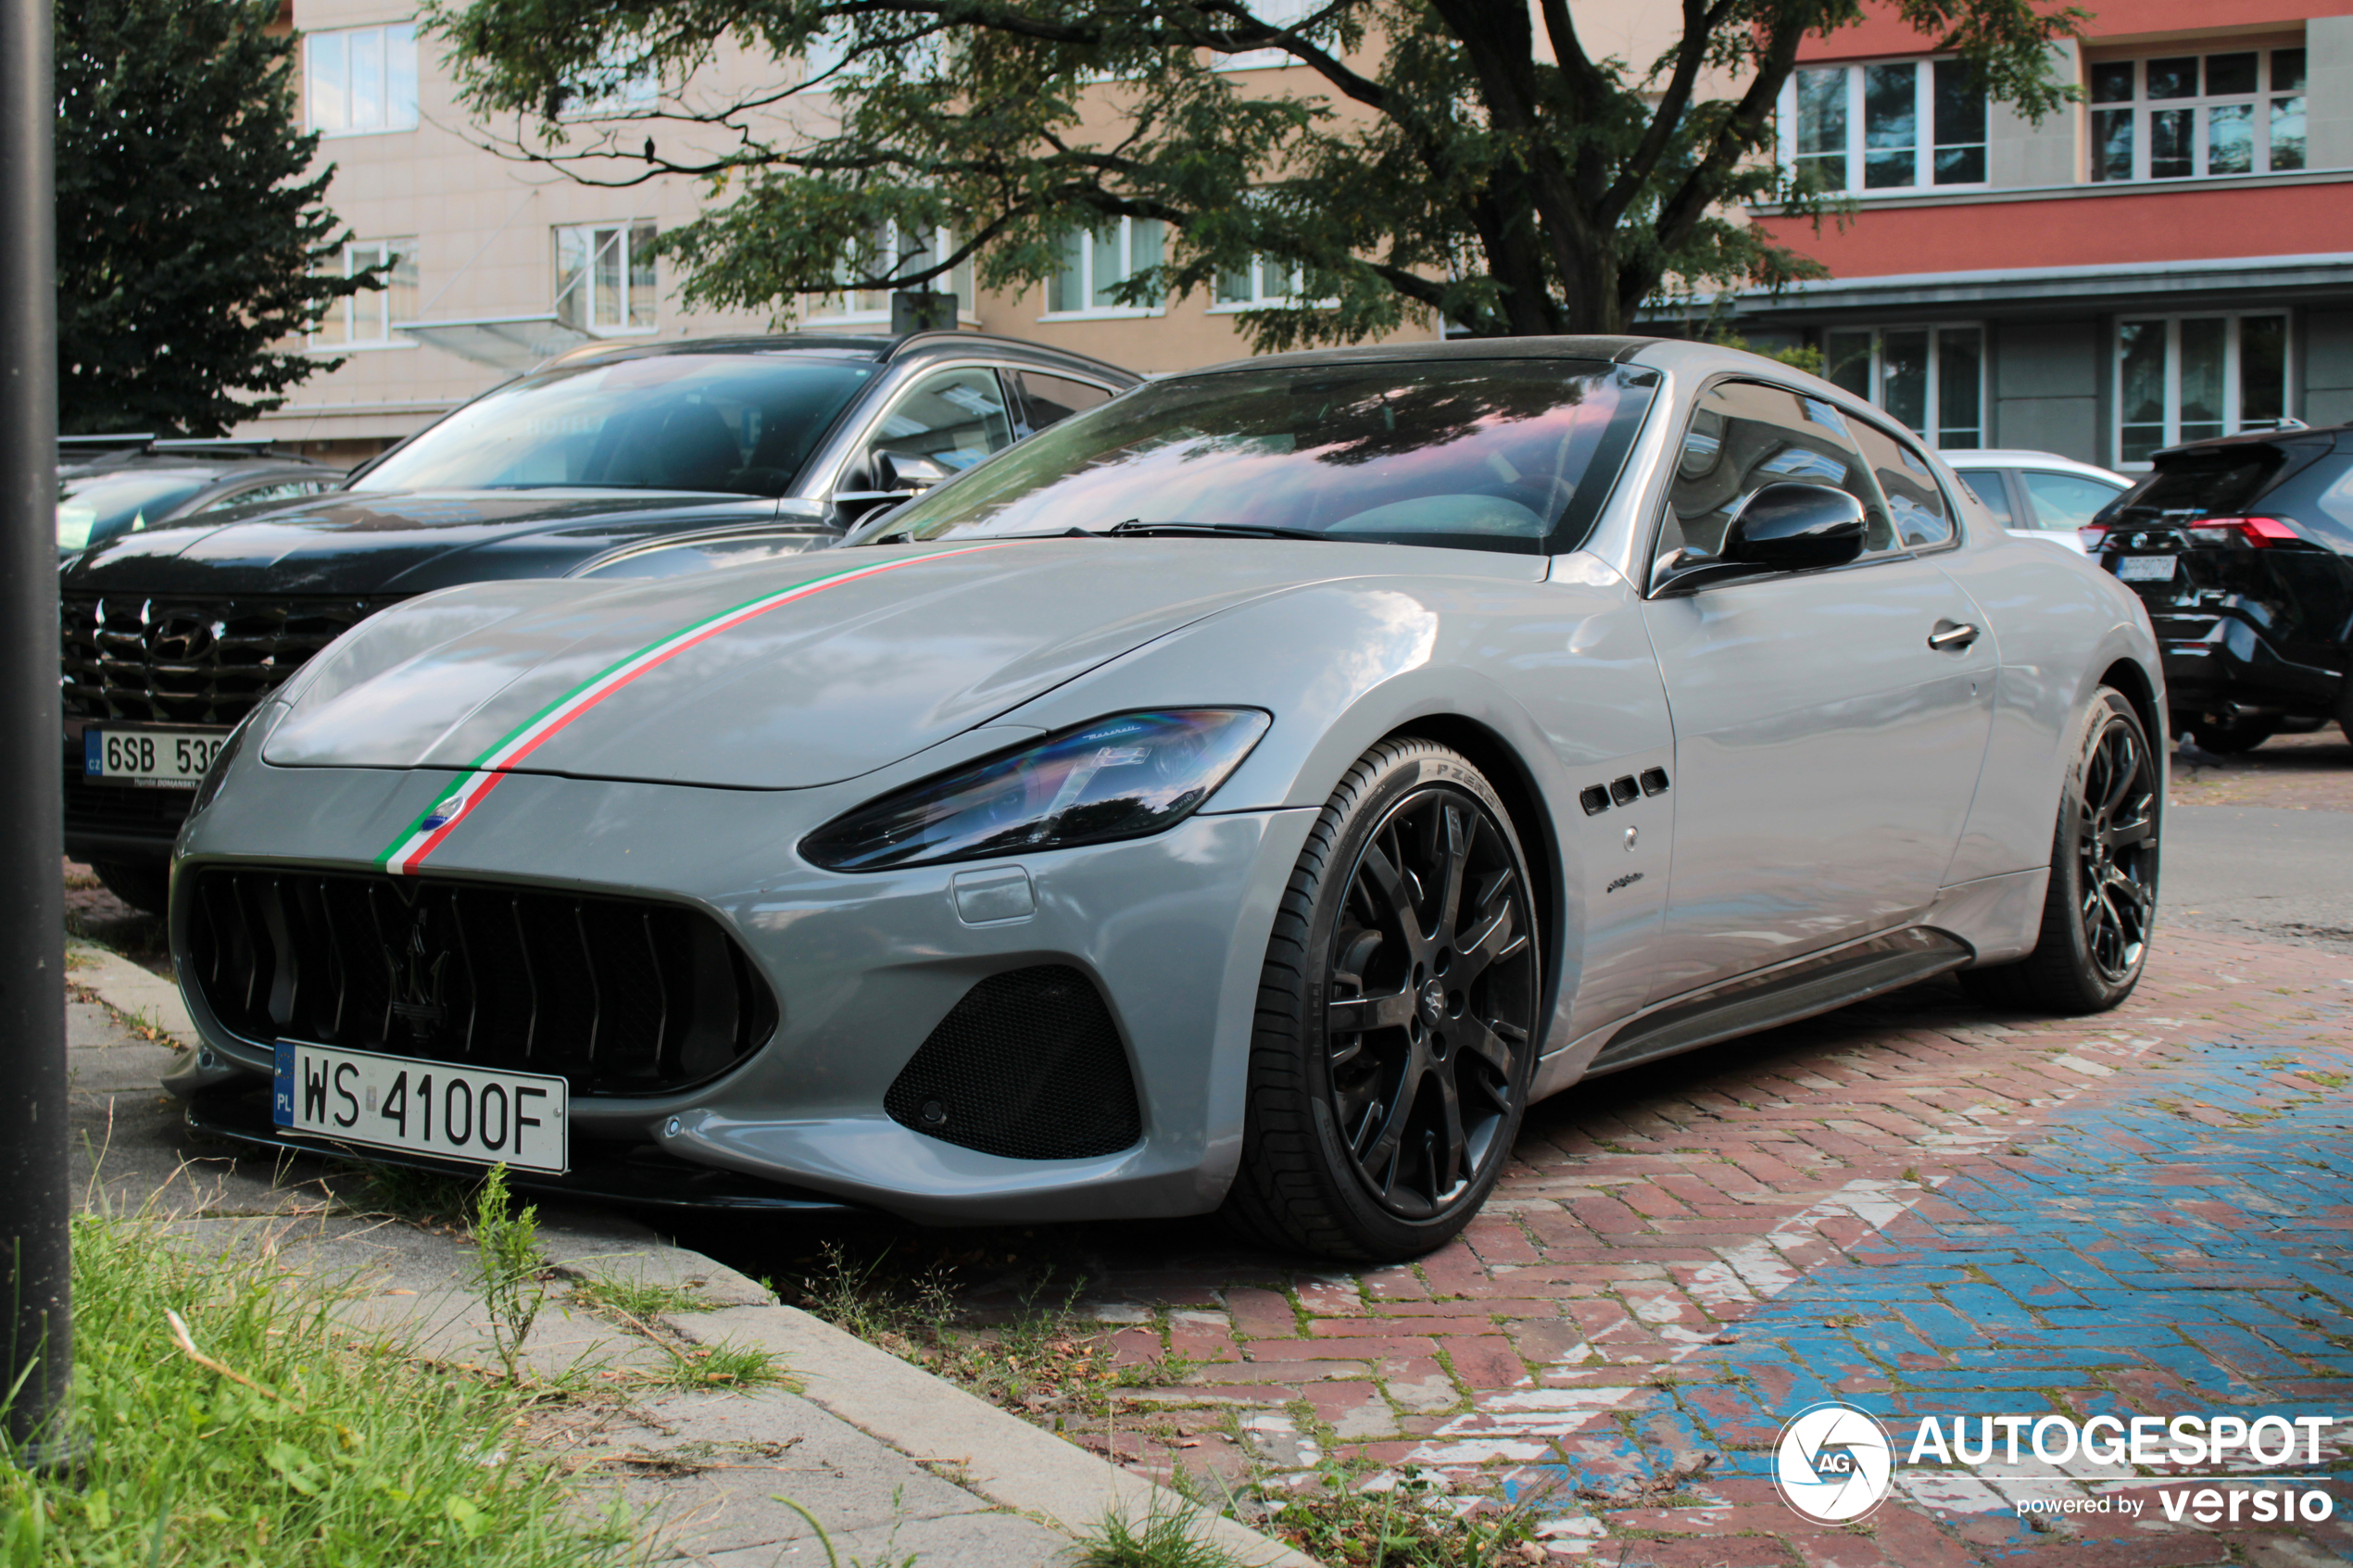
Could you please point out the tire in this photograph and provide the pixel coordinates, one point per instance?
(143, 885)
(2232, 737)
(2102, 902)
(1361, 1044)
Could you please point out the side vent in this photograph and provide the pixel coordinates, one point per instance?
(1028, 1065)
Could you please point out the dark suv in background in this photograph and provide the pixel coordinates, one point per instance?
(611, 461)
(109, 486)
(2241, 549)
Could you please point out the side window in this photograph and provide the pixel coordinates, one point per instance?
(955, 418)
(1986, 486)
(281, 492)
(2066, 500)
(1052, 399)
(1914, 499)
(1744, 436)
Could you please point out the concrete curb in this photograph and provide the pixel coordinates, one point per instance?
(997, 1456)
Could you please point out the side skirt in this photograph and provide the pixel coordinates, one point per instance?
(1815, 984)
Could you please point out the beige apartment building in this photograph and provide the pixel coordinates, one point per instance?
(499, 263)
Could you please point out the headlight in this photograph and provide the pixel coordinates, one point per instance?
(1121, 777)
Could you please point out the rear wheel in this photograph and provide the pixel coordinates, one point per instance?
(2228, 737)
(1396, 1021)
(143, 885)
(2102, 902)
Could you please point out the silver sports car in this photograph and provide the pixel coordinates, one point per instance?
(1249, 794)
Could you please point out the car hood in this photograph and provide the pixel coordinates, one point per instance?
(782, 676)
(347, 542)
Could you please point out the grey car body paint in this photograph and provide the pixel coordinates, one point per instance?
(696, 787)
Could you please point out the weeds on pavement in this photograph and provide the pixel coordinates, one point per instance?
(1166, 1537)
(256, 1431)
(1410, 1523)
(891, 1557)
(641, 1298)
(510, 1268)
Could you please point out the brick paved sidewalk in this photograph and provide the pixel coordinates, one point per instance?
(1913, 1204)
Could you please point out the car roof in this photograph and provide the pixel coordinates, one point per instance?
(2026, 457)
(81, 457)
(2303, 436)
(885, 349)
(1595, 347)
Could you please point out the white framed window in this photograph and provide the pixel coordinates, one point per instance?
(1095, 262)
(617, 86)
(1897, 125)
(360, 80)
(2185, 378)
(1931, 378)
(2188, 116)
(605, 277)
(892, 254)
(1260, 285)
(1273, 13)
(364, 321)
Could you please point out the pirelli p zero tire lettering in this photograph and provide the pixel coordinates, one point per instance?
(1396, 1021)
(2102, 902)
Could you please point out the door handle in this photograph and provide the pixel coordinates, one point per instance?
(1952, 634)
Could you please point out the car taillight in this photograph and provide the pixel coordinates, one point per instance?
(2257, 530)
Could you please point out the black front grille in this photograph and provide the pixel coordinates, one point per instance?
(619, 996)
(122, 809)
(1027, 1065)
(189, 661)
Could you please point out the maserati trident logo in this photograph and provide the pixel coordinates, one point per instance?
(419, 974)
(1834, 1462)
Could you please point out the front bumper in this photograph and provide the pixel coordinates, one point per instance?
(1172, 930)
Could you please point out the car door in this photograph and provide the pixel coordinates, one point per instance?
(939, 424)
(1825, 752)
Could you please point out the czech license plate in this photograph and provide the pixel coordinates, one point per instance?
(2145, 569)
(461, 1113)
(152, 758)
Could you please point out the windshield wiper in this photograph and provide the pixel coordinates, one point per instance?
(1135, 528)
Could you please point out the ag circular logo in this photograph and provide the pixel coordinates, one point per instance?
(1833, 1463)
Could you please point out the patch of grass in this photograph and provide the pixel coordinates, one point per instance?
(270, 1436)
(405, 1194)
(1412, 1523)
(641, 1298)
(1166, 1537)
(732, 1366)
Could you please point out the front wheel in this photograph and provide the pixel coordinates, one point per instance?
(1396, 1024)
(2102, 902)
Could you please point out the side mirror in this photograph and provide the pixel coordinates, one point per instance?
(1795, 527)
(898, 472)
(1786, 526)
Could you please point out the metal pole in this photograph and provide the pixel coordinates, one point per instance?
(37, 1336)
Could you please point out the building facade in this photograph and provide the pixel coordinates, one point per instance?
(2170, 258)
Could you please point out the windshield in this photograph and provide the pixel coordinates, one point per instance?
(740, 424)
(1495, 454)
(2211, 481)
(93, 511)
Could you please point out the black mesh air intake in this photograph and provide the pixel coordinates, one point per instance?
(620, 996)
(1029, 1066)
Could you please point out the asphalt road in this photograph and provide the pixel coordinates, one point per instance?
(2285, 874)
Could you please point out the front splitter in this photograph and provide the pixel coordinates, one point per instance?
(637, 1176)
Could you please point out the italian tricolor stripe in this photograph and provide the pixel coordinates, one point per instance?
(478, 778)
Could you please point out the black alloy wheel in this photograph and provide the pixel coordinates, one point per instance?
(2101, 906)
(1397, 1016)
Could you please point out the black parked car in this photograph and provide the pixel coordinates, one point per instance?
(2241, 549)
(610, 462)
(109, 486)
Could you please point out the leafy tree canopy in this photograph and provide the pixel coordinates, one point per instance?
(190, 242)
(1466, 157)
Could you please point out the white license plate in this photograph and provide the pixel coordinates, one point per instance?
(155, 758)
(2145, 569)
(461, 1113)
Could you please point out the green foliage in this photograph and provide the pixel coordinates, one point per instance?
(1167, 1537)
(292, 1446)
(510, 1268)
(1408, 1524)
(642, 1298)
(1443, 158)
(190, 235)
